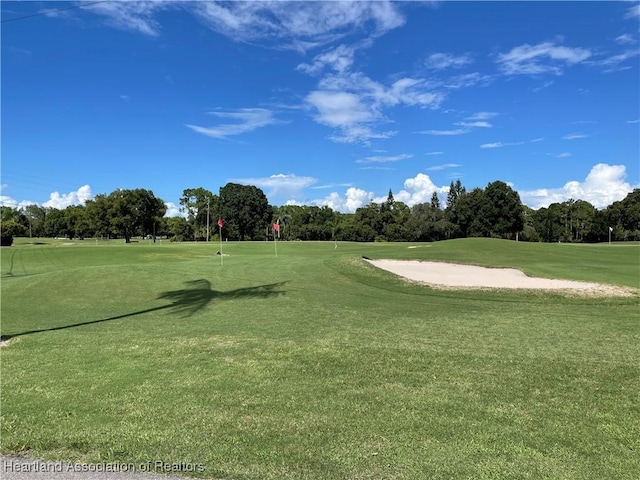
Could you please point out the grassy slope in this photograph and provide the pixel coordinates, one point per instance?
(317, 365)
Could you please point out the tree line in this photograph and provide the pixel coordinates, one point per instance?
(493, 211)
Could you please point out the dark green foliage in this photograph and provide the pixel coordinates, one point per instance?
(245, 210)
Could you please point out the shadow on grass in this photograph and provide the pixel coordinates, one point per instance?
(185, 302)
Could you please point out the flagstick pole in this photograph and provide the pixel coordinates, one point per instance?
(220, 230)
(275, 243)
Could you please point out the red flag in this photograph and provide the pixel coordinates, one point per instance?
(276, 227)
(220, 223)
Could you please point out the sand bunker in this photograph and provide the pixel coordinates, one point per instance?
(467, 276)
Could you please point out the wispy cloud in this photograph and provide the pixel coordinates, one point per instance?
(248, 119)
(634, 121)
(625, 39)
(331, 185)
(385, 159)
(308, 25)
(338, 59)
(476, 124)
(563, 155)
(434, 153)
(482, 116)
(136, 16)
(541, 58)
(575, 136)
(441, 61)
(466, 80)
(437, 168)
(633, 12)
(126, 98)
(458, 131)
(614, 62)
(509, 144)
(543, 86)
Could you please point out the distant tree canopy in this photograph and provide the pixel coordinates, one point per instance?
(493, 211)
(245, 210)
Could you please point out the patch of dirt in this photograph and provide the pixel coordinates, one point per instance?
(451, 275)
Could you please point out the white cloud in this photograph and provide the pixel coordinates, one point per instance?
(63, 200)
(614, 63)
(173, 210)
(543, 86)
(279, 184)
(637, 120)
(126, 98)
(633, 12)
(508, 144)
(441, 61)
(418, 189)
(603, 185)
(353, 103)
(625, 39)
(477, 124)
(563, 155)
(575, 136)
(353, 199)
(384, 159)
(482, 116)
(248, 119)
(458, 131)
(541, 58)
(338, 59)
(136, 16)
(434, 153)
(467, 80)
(307, 25)
(437, 168)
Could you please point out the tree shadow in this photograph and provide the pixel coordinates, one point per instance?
(184, 302)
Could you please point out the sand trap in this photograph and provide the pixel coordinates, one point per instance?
(467, 276)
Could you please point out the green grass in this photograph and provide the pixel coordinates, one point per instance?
(316, 365)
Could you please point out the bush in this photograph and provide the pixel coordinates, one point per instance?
(6, 240)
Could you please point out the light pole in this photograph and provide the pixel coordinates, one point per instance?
(208, 198)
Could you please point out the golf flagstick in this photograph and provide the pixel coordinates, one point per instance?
(276, 228)
(220, 224)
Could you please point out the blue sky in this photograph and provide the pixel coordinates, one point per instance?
(322, 103)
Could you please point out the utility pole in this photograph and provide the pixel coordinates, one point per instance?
(208, 198)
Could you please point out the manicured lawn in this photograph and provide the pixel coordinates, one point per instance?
(316, 365)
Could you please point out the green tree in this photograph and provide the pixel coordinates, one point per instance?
(202, 207)
(502, 210)
(246, 211)
(132, 212)
(435, 201)
(178, 229)
(35, 215)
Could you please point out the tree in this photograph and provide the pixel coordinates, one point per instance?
(35, 214)
(200, 205)
(435, 201)
(132, 212)
(456, 190)
(427, 223)
(469, 217)
(502, 210)
(246, 211)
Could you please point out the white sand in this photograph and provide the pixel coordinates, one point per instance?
(468, 276)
